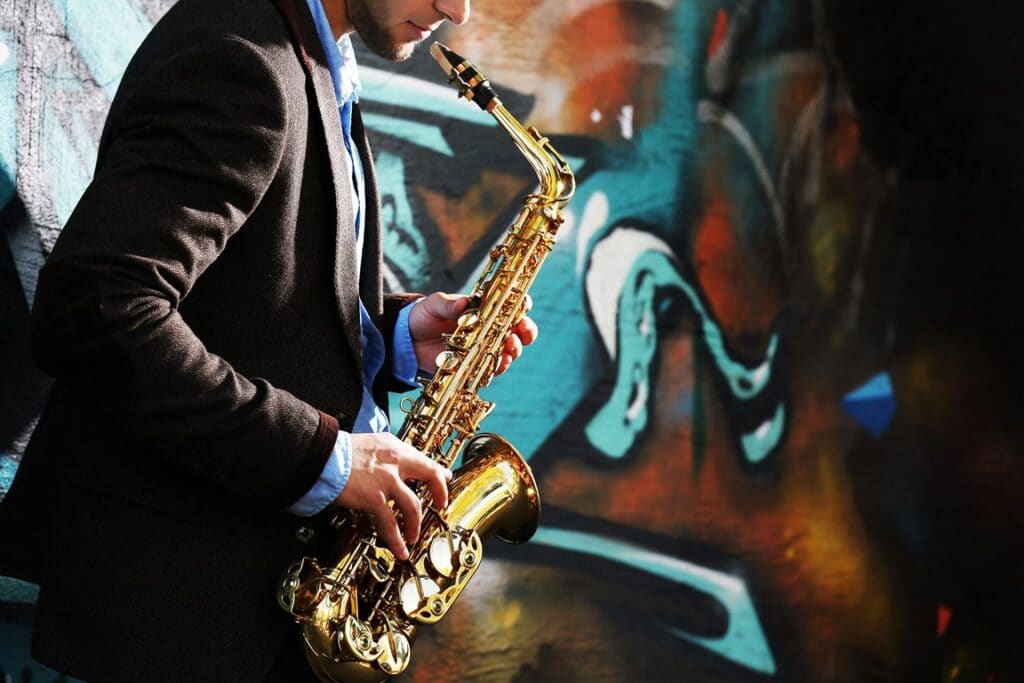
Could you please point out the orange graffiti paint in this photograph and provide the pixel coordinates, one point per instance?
(730, 271)
(718, 33)
(942, 618)
(465, 221)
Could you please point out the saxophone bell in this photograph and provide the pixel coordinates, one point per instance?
(521, 508)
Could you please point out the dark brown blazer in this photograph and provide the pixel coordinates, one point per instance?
(200, 315)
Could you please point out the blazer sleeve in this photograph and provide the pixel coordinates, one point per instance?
(187, 156)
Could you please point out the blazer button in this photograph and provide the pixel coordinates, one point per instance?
(304, 534)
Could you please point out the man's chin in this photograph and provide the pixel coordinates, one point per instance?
(404, 53)
(394, 52)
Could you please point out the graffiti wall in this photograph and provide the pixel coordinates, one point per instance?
(775, 410)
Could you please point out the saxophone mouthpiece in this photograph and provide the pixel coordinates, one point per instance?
(461, 73)
(445, 57)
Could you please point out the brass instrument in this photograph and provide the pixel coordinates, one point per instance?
(360, 614)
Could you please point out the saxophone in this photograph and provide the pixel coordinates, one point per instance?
(360, 614)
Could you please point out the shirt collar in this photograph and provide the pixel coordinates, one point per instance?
(349, 71)
(341, 57)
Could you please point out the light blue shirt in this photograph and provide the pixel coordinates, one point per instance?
(342, 64)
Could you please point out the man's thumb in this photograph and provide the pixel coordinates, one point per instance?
(450, 306)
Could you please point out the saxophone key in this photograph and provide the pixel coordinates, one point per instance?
(301, 588)
(471, 553)
(435, 607)
(381, 565)
(469, 320)
(288, 586)
(406, 405)
(442, 555)
(447, 360)
(415, 593)
(395, 653)
(356, 638)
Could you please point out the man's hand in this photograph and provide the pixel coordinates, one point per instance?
(381, 464)
(437, 314)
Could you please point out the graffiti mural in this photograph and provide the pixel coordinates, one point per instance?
(774, 411)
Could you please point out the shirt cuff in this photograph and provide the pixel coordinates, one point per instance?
(332, 479)
(404, 365)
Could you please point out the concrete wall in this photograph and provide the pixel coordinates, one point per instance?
(775, 407)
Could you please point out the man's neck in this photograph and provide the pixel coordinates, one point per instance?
(337, 17)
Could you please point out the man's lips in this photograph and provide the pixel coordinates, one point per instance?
(424, 31)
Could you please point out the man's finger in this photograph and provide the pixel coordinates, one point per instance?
(439, 488)
(387, 528)
(422, 468)
(503, 363)
(412, 512)
(513, 346)
(526, 330)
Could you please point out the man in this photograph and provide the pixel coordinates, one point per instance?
(214, 319)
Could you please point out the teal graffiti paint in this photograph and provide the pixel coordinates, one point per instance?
(106, 34)
(15, 641)
(636, 265)
(17, 592)
(744, 641)
(8, 466)
(8, 114)
(572, 363)
(640, 186)
(759, 444)
(744, 383)
(420, 134)
(615, 427)
(72, 157)
(649, 166)
(438, 99)
(403, 242)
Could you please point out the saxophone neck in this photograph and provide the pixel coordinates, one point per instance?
(557, 183)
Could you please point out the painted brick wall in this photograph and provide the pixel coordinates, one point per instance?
(775, 408)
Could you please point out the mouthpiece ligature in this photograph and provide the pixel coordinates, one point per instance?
(472, 84)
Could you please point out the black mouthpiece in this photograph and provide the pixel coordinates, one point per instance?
(472, 84)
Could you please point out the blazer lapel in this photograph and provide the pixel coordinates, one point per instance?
(312, 54)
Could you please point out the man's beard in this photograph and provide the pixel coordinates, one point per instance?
(373, 32)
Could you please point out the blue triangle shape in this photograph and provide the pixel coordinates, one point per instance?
(873, 404)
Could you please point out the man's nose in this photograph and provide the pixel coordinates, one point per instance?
(455, 11)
